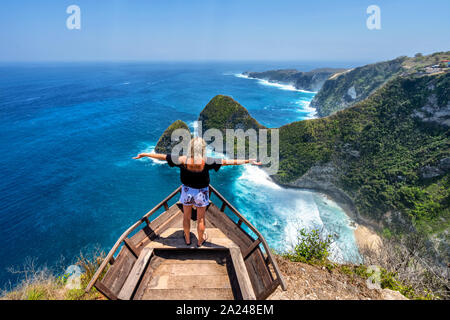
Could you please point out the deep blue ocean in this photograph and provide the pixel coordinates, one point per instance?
(68, 132)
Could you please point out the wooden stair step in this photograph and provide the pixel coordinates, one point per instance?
(188, 294)
(194, 269)
(182, 282)
(176, 243)
(135, 274)
(192, 256)
(179, 233)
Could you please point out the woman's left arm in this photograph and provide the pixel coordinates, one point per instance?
(227, 162)
(157, 156)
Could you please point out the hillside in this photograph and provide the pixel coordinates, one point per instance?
(223, 112)
(304, 281)
(386, 158)
(344, 90)
(315, 282)
(310, 81)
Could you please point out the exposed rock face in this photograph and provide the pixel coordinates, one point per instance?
(309, 81)
(429, 172)
(223, 112)
(352, 93)
(165, 143)
(444, 164)
(324, 178)
(345, 90)
(435, 113)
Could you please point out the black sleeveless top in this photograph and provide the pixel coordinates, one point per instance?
(196, 180)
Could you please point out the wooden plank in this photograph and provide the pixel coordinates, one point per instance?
(178, 243)
(242, 276)
(228, 227)
(252, 248)
(193, 256)
(179, 233)
(194, 281)
(130, 245)
(188, 294)
(154, 263)
(105, 290)
(259, 274)
(269, 290)
(117, 273)
(182, 269)
(255, 278)
(135, 274)
(157, 226)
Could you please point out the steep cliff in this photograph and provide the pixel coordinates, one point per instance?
(351, 87)
(348, 88)
(388, 156)
(309, 81)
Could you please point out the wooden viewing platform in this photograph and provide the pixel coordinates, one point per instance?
(154, 263)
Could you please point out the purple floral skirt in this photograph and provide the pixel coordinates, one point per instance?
(197, 197)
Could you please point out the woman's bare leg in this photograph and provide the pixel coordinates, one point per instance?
(187, 210)
(201, 212)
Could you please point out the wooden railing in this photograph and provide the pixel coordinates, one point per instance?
(260, 239)
(124, 237)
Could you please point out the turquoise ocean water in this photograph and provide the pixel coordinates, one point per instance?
(69, 131)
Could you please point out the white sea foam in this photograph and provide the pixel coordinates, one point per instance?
(292, 210)
(241, 75)
(287, 87)
(150, 149)
(305, 106)
(258, 177)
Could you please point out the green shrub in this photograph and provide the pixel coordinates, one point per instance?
(311, 246)
(36, 293)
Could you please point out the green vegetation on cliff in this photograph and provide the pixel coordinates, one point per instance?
(345, 90)
(165, 144)
(390, 151)
(223, 112)
(353, 86)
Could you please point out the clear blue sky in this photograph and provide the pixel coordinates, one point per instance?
(221, 30)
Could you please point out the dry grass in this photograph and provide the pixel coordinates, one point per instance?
(408, 260)
(44, 284)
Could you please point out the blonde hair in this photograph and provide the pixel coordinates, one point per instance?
(197, 148)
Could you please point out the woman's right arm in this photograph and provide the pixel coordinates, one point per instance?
(158, 156)
(237, 162)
